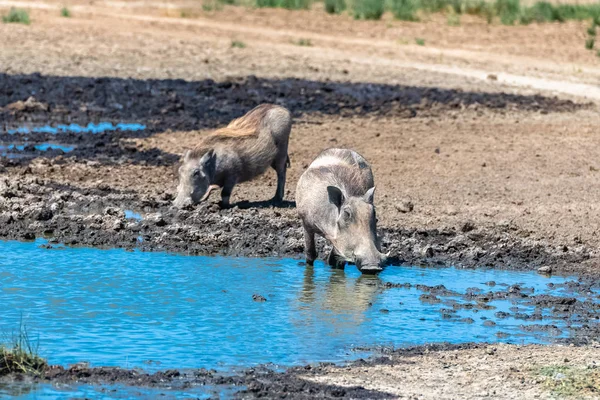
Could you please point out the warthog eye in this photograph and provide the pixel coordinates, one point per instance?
(196, 173)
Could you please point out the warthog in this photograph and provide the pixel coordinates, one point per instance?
(335, 200)
(237, 153)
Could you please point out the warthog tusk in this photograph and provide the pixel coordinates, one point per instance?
(210, 189)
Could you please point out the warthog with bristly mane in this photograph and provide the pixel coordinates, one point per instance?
(237, 153)
(334, 197)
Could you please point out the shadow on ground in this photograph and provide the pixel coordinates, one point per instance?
(181, 105)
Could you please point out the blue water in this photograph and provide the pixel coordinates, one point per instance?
(132, 309)
(41, 147)
(103, 392)
(74, 128)
(130, 214)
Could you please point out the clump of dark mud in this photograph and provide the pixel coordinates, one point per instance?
(252, 383)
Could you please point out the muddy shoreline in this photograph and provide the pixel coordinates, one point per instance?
(33, 207)
(250, 383)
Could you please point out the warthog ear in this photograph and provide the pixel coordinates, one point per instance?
(186, 155)
(208, 163)
(369, 195)
(336, 196)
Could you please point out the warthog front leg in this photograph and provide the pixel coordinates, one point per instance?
(309, 245)
(226, 193)
(335, 260)
(280, 166)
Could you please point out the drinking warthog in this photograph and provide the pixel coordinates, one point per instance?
(335, 200)
(237, 153)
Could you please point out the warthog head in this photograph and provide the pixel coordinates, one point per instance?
(356, 232)
(195, 174)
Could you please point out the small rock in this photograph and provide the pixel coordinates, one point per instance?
(384, 310)
(559, 376)
(405, 206)
(546, 270)
(429, 298)
(428, 252)
(489, 323)
(258, 297)
(492, 77)
(28, 236)
(117, 225)
(45, 214)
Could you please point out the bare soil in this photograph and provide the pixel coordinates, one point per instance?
(483, 142)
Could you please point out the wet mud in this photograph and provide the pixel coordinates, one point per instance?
(33, 206)
(251, 383)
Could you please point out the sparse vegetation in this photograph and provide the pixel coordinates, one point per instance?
(589, 43)
(186, 13)
(303, 42)
(508, 12)
(287, 4)
(368, 9)
(570, 381)
(420, 42)
(335, 6)
(238, 44)
(21, 356)
(211, 5)
(453, 19)
(64, 12)
(405, 10)
(16, 16)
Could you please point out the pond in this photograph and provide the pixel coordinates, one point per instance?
(157, 310)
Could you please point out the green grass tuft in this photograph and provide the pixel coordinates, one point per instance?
(453, 19)
(238, 44)
(335, 6)
(16, 16)
(21, 356)
(589, 43)
(420, 42)
(405, 10)
(509, 11)
(64, 12)
(287, 4)
(368, 9)
(303, 42)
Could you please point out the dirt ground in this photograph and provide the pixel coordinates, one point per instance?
(496, 372)
(483, 141)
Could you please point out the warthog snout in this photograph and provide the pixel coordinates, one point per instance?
(194, 179)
